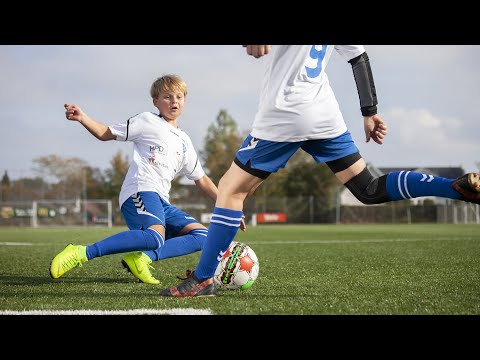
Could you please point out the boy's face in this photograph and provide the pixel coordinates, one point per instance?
(170, 104)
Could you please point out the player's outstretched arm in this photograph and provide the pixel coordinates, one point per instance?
(375, 128)
(208, 187)
(97, 129)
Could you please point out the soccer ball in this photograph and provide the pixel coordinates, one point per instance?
(238, 268)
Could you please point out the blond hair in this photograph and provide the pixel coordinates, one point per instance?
(170, 82)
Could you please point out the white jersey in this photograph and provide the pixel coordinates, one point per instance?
(297, 102)
(160, 152)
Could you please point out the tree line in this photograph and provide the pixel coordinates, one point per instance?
(59, 177)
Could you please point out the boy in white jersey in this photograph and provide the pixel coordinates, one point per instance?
(160, 152)
(298, 110)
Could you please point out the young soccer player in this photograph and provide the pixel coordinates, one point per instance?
(298, 110)
(161, 151)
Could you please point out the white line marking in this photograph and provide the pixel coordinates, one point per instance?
(186, 311)
(346, 241)
(288, 242)
(15, 243)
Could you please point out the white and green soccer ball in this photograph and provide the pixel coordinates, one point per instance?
(238, 268)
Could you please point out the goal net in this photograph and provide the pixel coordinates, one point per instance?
(92, 212)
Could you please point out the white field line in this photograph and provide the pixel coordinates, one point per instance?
(186, 311)
(15, 243)
(289, 242)
(348, 241)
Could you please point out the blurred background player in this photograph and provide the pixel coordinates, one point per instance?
(298, 110)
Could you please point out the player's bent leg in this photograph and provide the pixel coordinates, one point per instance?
(468, 186)
(235, 185)
(367, 189)
(180, 245)
(69, 258)
(233, 188)
(226, 218)
(138, 263)
(352, 171)
(402, 185)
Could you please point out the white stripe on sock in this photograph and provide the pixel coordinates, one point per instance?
(400, 184)
(224, 223)
(226, 217)
(405, 184)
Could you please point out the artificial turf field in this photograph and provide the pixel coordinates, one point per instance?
(424, 269)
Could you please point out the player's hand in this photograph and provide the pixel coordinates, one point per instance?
(257, 50)
(243, 225)
(73, 112)
(375, 128)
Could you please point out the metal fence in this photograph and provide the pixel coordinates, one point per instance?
(306, 210)
(298, 210)
(40, 213)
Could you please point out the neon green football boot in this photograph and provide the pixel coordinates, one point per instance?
(70, 257)
(138, 264)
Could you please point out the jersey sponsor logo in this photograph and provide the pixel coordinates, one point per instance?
(155, 151)
(153, 160)
(161, 149)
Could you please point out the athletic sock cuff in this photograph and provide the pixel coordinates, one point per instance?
(226, 217)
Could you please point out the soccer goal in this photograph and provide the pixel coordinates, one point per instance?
(92, 212)
(39, 213)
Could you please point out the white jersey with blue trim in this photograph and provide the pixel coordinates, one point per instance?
(160, 152)
(297, 102)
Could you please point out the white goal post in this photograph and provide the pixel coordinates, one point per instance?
(91, 212)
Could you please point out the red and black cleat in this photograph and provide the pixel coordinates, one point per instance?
(469, 187)
(192, 287)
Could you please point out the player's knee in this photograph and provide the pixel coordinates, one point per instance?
(199, 236)
(367, 189)
(229, 189)
(154, 239)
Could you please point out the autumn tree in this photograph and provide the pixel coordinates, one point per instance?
(220, 146)
(67, 176)
(4, 186)
(303, 177)
(116, 174)
(300, 181)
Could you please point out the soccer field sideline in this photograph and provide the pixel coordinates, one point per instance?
(174, 311)
(290, 242)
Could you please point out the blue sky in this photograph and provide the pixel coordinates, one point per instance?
(428, 95)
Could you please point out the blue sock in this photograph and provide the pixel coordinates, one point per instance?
(408, 184)
(130, 240)
(180, 245)
(224, 225)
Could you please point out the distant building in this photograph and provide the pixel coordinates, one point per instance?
(348, 199)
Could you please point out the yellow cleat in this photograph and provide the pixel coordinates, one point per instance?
(71, 257)
(138, 264)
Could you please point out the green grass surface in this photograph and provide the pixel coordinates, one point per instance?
(316, 269)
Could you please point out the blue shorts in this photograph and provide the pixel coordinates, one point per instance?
(147, 208)
(262, 157)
